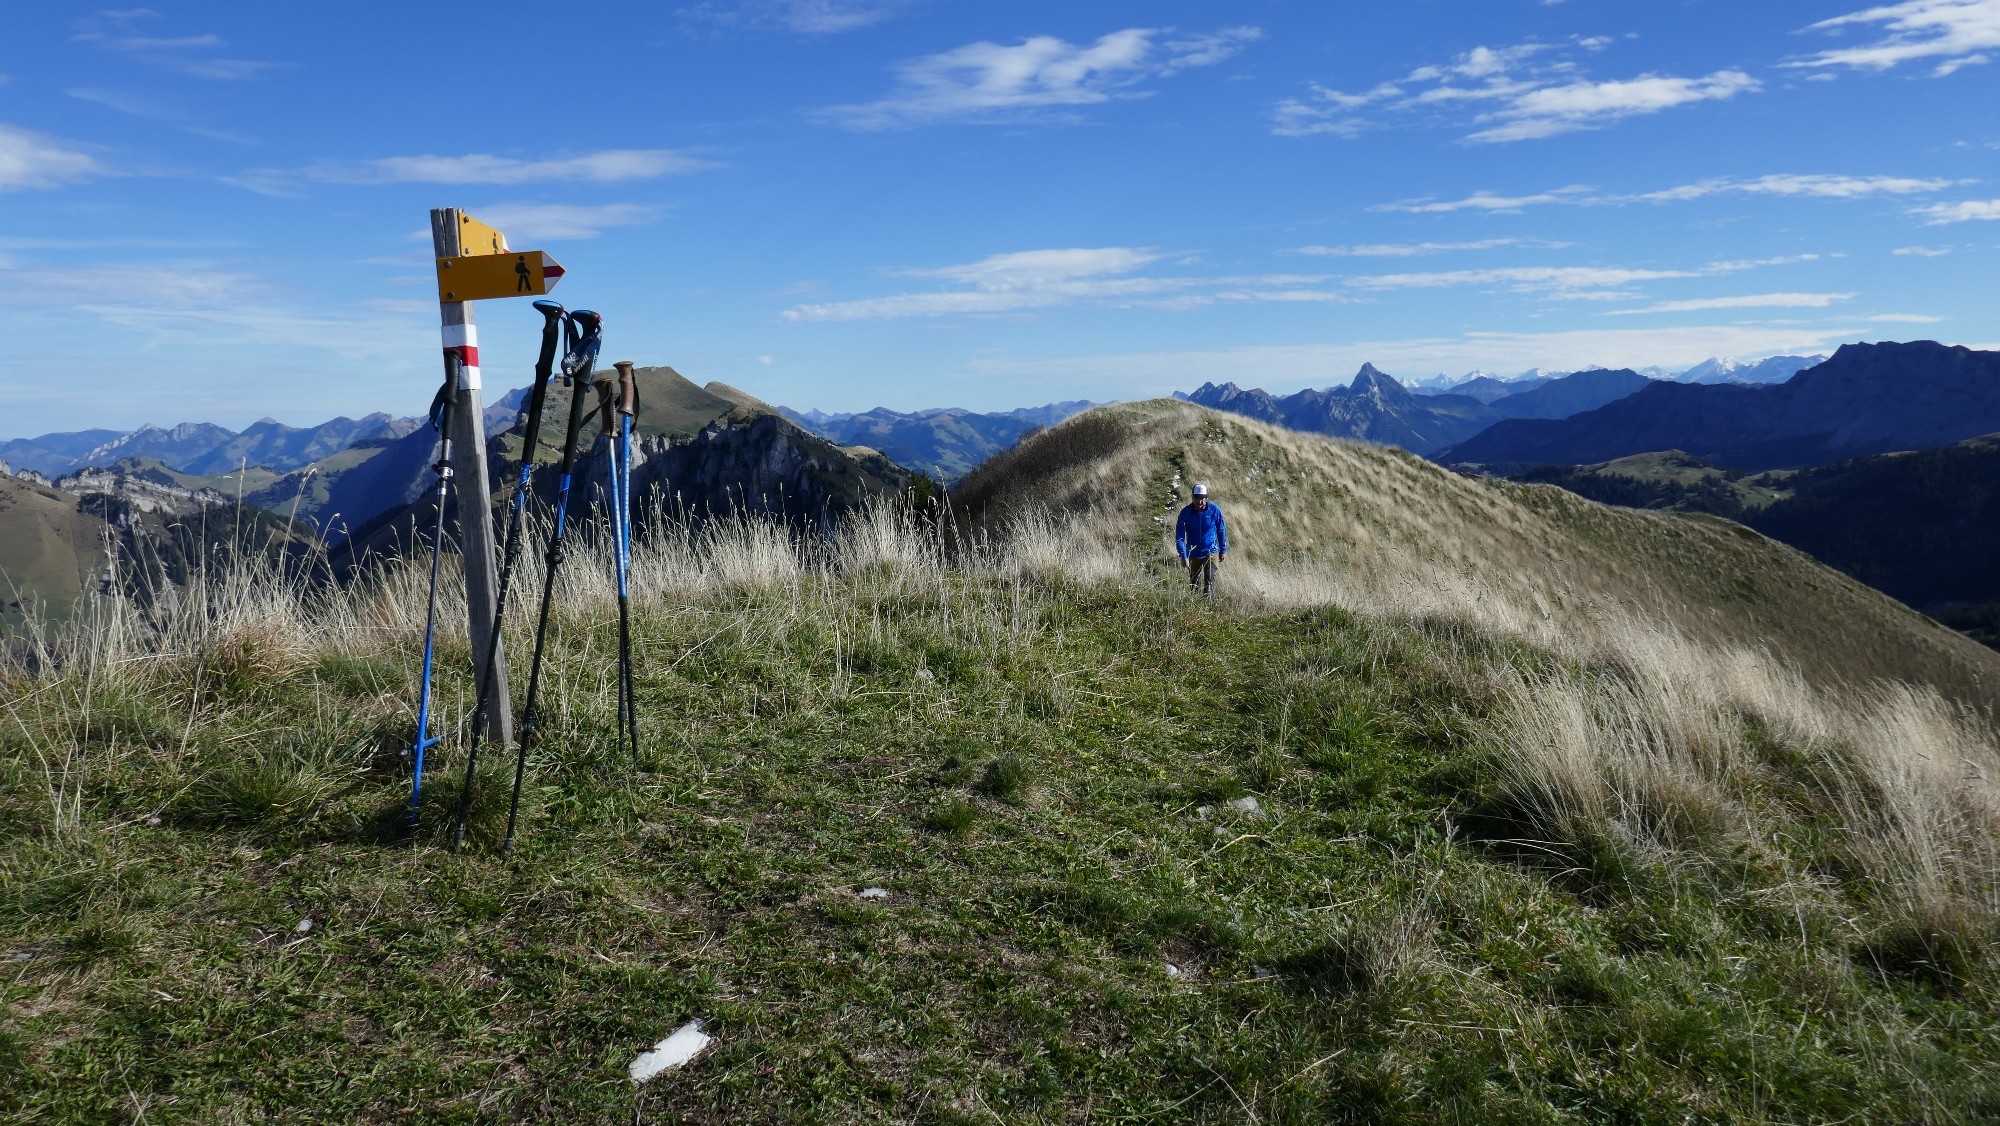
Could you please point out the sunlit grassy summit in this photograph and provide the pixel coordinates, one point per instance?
(1461, 801)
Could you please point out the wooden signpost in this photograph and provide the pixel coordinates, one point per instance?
(474, 264)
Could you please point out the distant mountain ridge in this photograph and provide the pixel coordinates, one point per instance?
(1375, 407)
(943, 442)
(202, 448)
(1867, 399)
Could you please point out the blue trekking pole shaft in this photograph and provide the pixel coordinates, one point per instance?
(424, 740)
(588, 328)
(628, 408)
(538, 394)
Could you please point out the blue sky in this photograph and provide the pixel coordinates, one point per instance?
(217, 212)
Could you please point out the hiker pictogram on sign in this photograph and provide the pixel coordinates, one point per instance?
(523, 283)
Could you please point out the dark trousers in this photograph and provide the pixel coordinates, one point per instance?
(1201, 573)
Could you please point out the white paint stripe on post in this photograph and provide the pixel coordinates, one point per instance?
(464, 340)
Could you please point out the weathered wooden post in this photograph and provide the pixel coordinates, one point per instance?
(468, 444)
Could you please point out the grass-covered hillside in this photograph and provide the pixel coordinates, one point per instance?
(1002, 825)
(1318, 520)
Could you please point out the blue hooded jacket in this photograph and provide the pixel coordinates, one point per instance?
(1201, 532)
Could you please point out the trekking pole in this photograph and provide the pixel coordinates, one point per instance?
(585, 335)
(441, 419)
(628, 409)
(607, 406)
(537, 395)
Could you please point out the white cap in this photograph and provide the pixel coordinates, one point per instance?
(1200, 489)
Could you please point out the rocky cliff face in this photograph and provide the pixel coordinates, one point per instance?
(759, 463)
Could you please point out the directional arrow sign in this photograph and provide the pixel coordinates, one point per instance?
(482, 277)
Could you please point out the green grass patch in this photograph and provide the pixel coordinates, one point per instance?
(1078, 925)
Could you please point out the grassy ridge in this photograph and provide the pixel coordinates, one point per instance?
(1037, 769)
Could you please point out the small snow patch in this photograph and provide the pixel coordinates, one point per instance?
(305, 926)
(1173, 970)
(874, 893)
(685, 1044)
(1248, 807)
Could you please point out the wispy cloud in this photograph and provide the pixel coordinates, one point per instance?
(1814, 186)
(1592, 105)
(1939, 214)
(527, 221)
(192, 55)
(607, 166)
(1514, 93)
(151, 108)
(1421, 249)
(1921, 251)
(1591, 283)
(809, 17)
(1958, 33)
(1046, 279)
(1111, 276)
(991, 82)
(1817, 186)
(35, 160)
(1748, 301)
(1491, 201)
(1904, 319)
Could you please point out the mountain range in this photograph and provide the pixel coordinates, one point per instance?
(1867, 399)
(1375, 407)
(943, 442)
(201, 447)
(1716, 369)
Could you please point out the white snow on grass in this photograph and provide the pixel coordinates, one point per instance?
(874, 893)
(685, 1044)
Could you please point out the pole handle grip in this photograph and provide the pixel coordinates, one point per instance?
(628, 389)
(606, 404)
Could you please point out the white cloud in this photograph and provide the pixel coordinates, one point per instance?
(525, 222)
(811, 17)
(34, 160)
(1753, 301)
(1573, 282)
(152, 108)
(1818, 186)
(603, 167)
(1210, 49)
(1513, 93)
(1938, 214)
(1491, 201)
(1957, 32)
(1789, 185)
(1046, 279)
(1921, 251)
(1904, 319)
(1591, 105)
(186, 54)
(986, 82)
(1419, 249)
(1042, 279)
(1028, 269)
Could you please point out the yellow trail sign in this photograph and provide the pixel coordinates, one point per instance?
(475, 237)
(482, 277)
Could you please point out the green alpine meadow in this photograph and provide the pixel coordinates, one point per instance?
(1458, 801)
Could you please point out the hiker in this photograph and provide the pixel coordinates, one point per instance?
(1203, 540)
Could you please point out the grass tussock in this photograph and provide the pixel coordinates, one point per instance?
(1326, 848)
